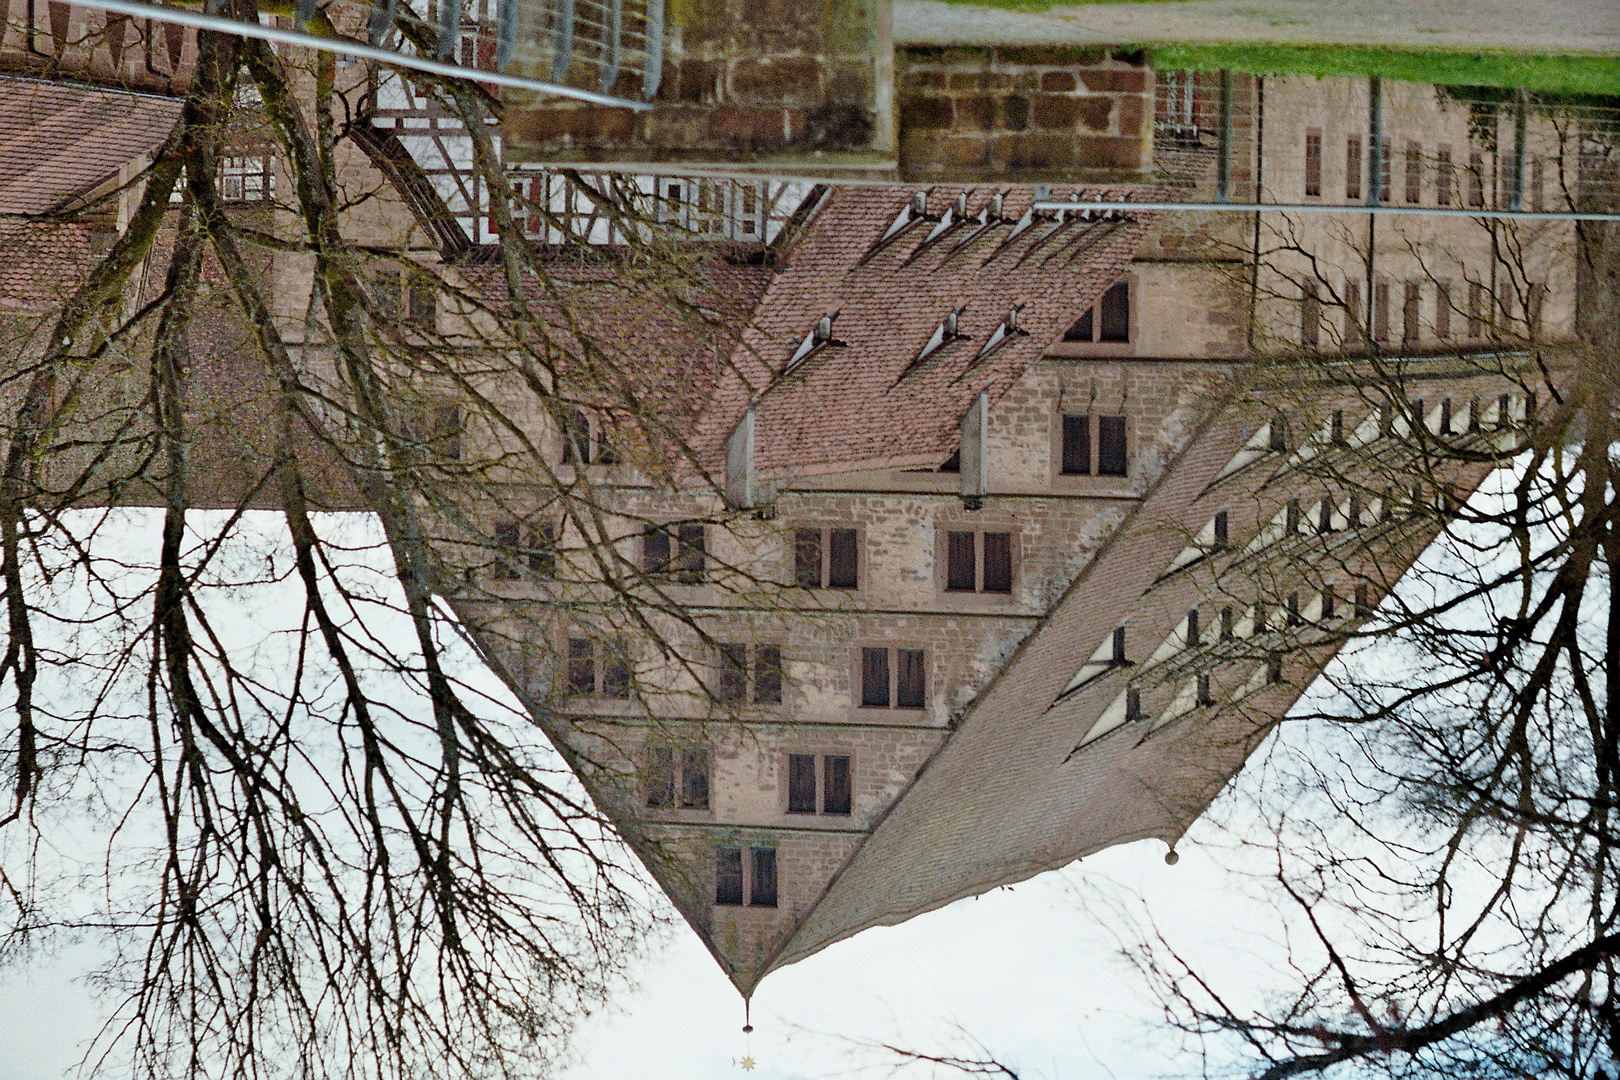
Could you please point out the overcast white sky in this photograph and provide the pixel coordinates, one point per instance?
(1028, 970)
(1025, 969)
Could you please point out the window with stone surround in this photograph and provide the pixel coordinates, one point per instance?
(520, 547)
(893, 678)
(1093, 445)
(677, 778)
(1352, 167)
(583, 442)
(978, 561)
(1108, 321)
(819, 784)
(745, 876)
(598, 667)
(749, 673)
(826, 558)
(674, 552)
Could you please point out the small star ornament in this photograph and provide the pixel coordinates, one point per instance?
(747, 1063)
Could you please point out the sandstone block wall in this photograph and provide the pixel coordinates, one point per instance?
(1023, 114)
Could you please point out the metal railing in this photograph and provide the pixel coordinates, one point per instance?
(589, 50)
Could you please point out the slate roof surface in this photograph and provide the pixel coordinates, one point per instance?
(59, 141)
(862, 404)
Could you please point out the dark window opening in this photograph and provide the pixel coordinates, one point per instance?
(732, 685)
(518, 546)
(837, 786)
(1115, 308)
(728, 876)
(581, 666)
(978, 561)
(676, 552)
(577, 439)
(1222, 529)
(1414, 172)
(1411, 313)
(762, 890)
(767, 675)
(1313, 164)
(1111, 456)
(875, 690)
(1277, 438)
(1077, 445)
(801, 783)
(1193, 634)
(598, 667)
(893, 675)
(747, 881)
(737, 680)
(962, 560)
(1352, 167)
(1445, 177)
(826, 558)
(1381, 311)
(660, 777)
(1109, 320)
(910, 679)
(834, 793)
(1310, 318)
(695, 780)
(1082, 330)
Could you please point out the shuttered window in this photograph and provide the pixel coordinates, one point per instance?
(1111, 456)
(801, 783)
(1077, 445)
(826, 558)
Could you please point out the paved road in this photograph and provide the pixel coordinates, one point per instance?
(1516, 25)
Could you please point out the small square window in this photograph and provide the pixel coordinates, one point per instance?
(977, 561)
(749, 673)
(1079, 449)
(677, 778)
(598, 667)
(675, 553)
(893, 678)
(819, 783)
(826, 558)
(1108, 321)
(745, 876)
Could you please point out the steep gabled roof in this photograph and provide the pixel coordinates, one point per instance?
(57, 141)
(866, 401)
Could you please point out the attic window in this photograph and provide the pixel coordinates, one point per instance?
(910, 214)
(1003, 333)
(945, 333)
(1109, 321)
(819, 337)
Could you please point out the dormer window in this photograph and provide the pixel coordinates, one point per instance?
(1108, 321)
(819, 337)
(910, 214)
(1003, 333)
(945, 333)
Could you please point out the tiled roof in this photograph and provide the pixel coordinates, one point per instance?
(663, 338)
(40, 264)
(862, 404)
(59, 141)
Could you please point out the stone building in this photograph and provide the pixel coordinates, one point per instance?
(1003, 534)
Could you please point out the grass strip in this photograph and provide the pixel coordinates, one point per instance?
(1590, 75)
